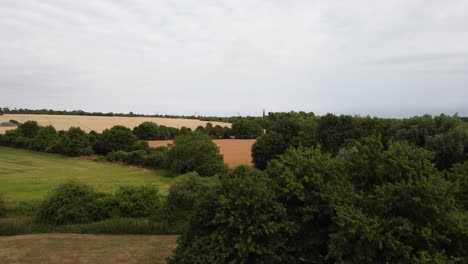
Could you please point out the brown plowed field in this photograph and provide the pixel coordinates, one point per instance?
(75, 248)
(99, 123)
(235, 151)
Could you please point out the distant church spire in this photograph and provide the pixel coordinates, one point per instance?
(263, 112)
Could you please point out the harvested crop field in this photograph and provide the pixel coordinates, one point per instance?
(235, 151)
(99, 123)
(75, 248)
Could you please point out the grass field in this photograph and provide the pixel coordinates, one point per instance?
(74, 248)
(99, 123)
(28, 176)
(235, 151)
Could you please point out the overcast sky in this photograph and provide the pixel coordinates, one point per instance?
(228, 57)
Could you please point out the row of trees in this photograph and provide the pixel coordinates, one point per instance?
(446, 136)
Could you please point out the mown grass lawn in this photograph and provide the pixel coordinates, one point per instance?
(27, 176)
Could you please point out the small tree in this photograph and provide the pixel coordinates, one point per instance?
(69, 203)
(75, 142)
(195, 152)
(46, 139)
(117, 138)
(29, 129)
(147, 131)
(137, 201)
(245, 128)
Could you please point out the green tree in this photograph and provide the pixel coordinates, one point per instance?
(69, 203)
(403, 222)
(138, 201)
(75, 142)
(117, 138)
(147, 131)
(195, 152)
(46, 139)
(245, 128)
(237, 222)
(29, 129)
(309, 184)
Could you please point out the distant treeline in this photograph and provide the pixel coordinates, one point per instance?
(6, 110)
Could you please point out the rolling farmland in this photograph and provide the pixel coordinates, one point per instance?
(99, 123)
(28, 176)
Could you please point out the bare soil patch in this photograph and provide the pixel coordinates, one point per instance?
(99, 123)
(76, 248)
(235, 151)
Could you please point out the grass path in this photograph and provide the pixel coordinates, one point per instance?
(74, 248)
(28, 176)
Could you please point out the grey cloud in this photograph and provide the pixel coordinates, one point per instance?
(227, 57)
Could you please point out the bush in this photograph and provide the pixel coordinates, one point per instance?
(245, 128)
(156, 158)
(29, 129)
(45, 140)
(183, 197)
(70, 203)
(74, 142)
(147, 131)
(117, 138)
(137, 201)
(195, 152)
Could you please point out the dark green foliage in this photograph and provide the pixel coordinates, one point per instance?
(2, 206)
(400, 223)
(195, 152)
(45, 140)
(237, 222)
(362, 160)
(29, 129)
(70, 203)
(245, 128)
(288, 130)
(137, 201)
(151, 158)
(75, 142)
(309, 183)
(116, 138)
(147, 131)
(459, 176)
(183, 197)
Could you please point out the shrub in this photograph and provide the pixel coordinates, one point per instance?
(69, 203)
(29, 129)
(117, 138)
(195, 152)
(118, 156)
(137, 201)
(45, 140)
(147, 131)
(182, 199)
(245, 128)
(156, 158)
(74, 142)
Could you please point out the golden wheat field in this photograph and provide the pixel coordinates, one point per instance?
(100, 123)
(235, 151)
